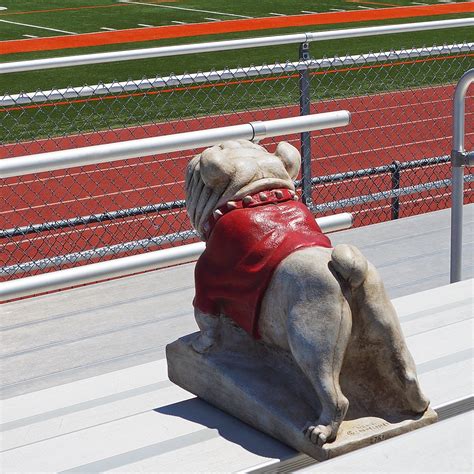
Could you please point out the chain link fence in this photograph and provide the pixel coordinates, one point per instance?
(391, 162)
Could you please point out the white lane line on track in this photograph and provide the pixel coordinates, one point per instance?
(92, 197)
(185, 9)
(90, 228)
(38, 27)
(371, 150)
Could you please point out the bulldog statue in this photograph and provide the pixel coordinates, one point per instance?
(268, 269)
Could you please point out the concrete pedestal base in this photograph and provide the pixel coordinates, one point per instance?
(265, 389)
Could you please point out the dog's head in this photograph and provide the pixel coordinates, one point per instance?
(232, 170)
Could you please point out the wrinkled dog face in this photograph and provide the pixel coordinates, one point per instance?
(232, 170)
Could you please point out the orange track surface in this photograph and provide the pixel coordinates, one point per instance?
(231, 26)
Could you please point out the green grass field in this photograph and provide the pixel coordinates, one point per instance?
(28, 124)
(82, 16)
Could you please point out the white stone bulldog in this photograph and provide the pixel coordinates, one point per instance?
(268, 268)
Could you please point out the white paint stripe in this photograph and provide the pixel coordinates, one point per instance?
(145, 25)
(3, 8)
(277, 14)
(364, 8)
(307, 11)
(212, 19)
(38, 27)
(107, 29)
(30, 36)
(419, 3)
(179, 22)
(337, 10)
(182, 8)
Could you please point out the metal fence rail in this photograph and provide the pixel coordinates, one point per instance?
(389, 163)
(229, 74)
(93, 155)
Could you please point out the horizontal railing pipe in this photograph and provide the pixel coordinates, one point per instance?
(181, 80)
(164, 51)
(99, 271)
(91, 219)
(63, 159)
(94, 272)
(385, 195)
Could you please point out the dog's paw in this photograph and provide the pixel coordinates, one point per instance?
(319, 434)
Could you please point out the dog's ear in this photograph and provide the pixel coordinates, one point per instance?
(290, 158)
(216, 170)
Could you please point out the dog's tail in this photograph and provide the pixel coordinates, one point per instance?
(350, 264)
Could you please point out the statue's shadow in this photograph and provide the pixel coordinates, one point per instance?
(228, 427)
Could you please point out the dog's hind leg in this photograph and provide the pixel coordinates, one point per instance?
(318, 328)
(319, 348)
(382, 331)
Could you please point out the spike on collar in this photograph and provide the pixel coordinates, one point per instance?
(261, 198)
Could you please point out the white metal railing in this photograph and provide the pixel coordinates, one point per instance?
(164, 51)
(135, 148)
(118, 267)
(57, 160)
(227, 74)
(459, 159)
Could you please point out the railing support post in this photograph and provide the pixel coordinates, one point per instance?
(395, 185)
(305, 109)
(459, 158)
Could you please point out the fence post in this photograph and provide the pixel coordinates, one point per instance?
(395, 186)
(305, 109)
(459, 158)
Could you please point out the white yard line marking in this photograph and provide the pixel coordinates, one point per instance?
(179, 22)
(107, 29)
(310, 13)
(276, 14)
(182, 8)
(30, 36)
(145, 25)
(38, 27)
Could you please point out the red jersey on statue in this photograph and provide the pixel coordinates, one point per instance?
(243, 249)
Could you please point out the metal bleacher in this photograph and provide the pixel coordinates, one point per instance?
(85, 386)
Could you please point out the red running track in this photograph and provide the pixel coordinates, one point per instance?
(401, 126)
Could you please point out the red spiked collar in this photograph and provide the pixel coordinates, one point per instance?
(261, 198)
